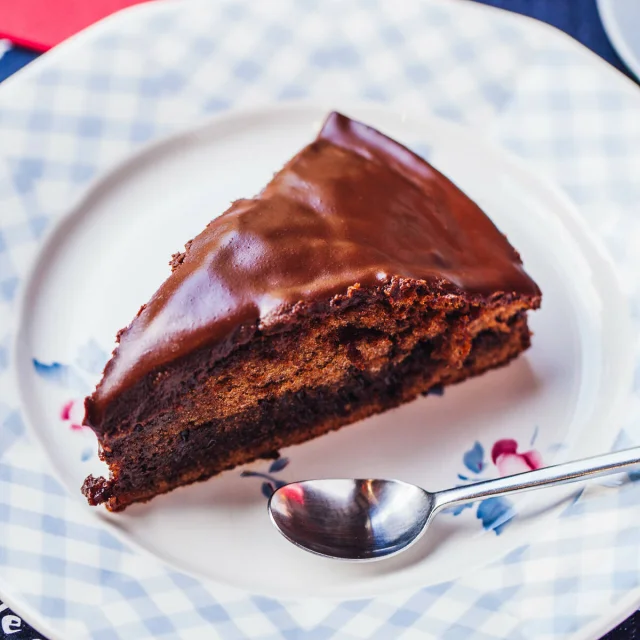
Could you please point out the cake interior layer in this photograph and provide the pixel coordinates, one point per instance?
(284, 389)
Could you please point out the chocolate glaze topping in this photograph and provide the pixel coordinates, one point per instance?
(352, 207)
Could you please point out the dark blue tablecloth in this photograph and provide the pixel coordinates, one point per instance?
(578, 18)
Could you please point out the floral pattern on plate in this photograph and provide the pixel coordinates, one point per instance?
(75, 379)
(270, 482)
(506, 459)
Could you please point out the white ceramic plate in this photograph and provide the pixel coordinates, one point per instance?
(109, 255)
(76, 113)
(621, 19)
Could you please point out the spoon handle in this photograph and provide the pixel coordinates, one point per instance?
(576, 471)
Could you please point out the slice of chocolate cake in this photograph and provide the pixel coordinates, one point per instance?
(358, 279)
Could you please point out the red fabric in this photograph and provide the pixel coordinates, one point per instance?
(41, 24)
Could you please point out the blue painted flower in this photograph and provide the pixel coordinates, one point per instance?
(267, 489)
(495, 513)
(78, 377)
(474, 458)
(534, 436)
(437, 390)
(62, 375)
(457, 510)
(270, 483)
(278, 465)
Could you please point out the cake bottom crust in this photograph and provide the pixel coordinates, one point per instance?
(291, 418)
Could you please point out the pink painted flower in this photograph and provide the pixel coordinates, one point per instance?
(506, 457)
(65, 413)
(73, 413)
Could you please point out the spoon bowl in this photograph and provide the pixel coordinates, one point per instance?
(351, 519)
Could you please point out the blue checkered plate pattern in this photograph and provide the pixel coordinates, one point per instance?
(157, 68)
